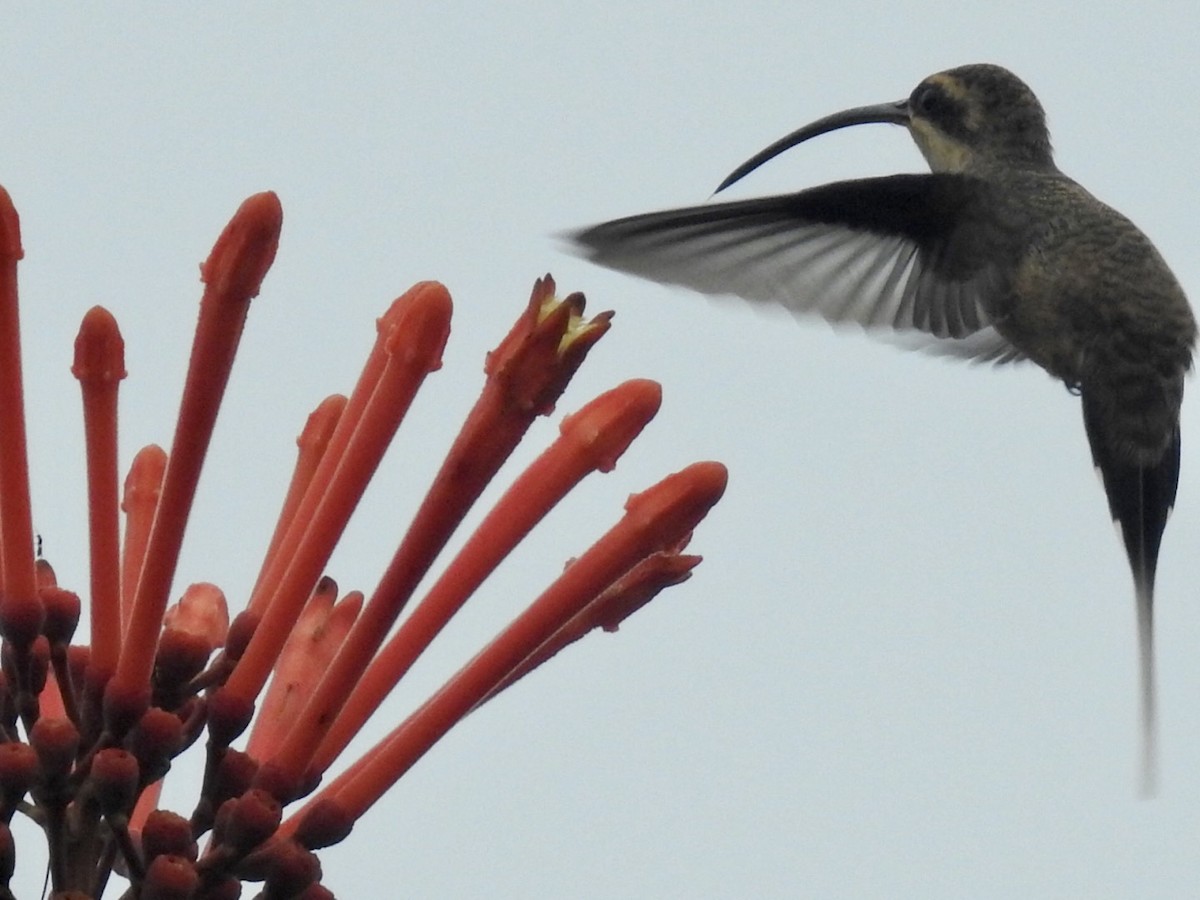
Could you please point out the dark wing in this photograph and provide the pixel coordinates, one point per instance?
(919, 255)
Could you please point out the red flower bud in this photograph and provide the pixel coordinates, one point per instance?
(114, 776)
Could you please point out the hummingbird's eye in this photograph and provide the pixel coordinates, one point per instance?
(927, 100)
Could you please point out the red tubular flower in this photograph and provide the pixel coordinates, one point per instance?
(103, 724)
(424, 306)
(192, 629)
(614, 605)
(318, 634)
(313, 442)
(20, 610)
(526, 374)
(414, 349)
(100, 366)
(143, 485)
(591, 439)
(655, 519)
(232, 275)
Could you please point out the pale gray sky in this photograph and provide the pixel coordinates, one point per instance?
(907, 664)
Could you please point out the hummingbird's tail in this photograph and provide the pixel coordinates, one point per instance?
(1148, 689)
(1140, 498)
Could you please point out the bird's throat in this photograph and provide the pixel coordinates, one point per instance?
(943, 153)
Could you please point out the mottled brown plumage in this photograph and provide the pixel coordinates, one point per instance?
(996, 255)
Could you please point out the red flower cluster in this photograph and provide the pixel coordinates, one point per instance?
(87, 732)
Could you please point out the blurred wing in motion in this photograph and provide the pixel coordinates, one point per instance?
(907, 253)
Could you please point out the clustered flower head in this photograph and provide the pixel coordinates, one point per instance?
(88, 731)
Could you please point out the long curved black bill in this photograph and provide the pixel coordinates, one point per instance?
(892, 113)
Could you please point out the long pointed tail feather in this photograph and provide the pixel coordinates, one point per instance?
(1140, 498)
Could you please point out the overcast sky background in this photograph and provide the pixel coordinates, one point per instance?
(906, 666)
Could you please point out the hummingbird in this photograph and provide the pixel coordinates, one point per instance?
(994, 255)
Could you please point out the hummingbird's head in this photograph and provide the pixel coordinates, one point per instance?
(979, 113)
(959, 118)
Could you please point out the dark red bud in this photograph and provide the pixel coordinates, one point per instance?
(55, 741)
(61, 614)
(170, 878)
(292, 870)
(254, 818)
(228, 716)
(123, 707)
(168, 833)
(114, 776)
(325, 823)
(235, 774)
(20, 620)
(18, 771)
(273, 779)
(155, 739)
(181, 657)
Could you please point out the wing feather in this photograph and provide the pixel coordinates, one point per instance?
(875, 252)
